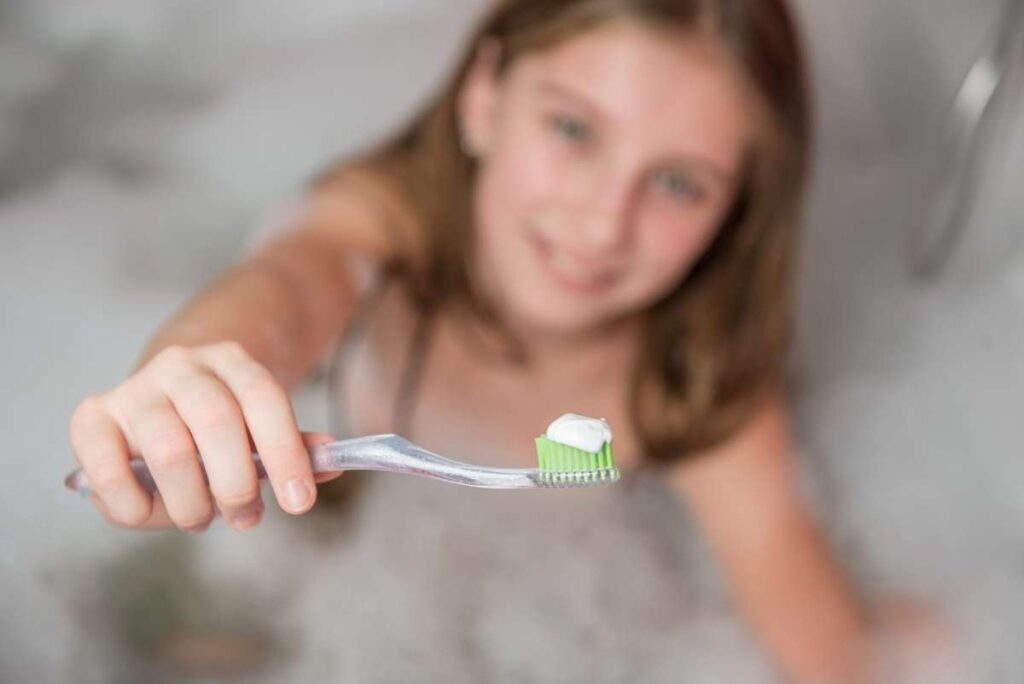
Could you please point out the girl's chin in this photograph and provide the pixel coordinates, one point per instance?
(542, 319)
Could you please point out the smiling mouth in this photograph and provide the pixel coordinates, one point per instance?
(566, 271)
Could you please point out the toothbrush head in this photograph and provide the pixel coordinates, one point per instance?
(562, 465)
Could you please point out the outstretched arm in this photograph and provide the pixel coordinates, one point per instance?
(783, 576)
(288, 301)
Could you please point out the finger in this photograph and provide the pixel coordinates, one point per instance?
(157, 520)
(215, 420)
(160, 519)
(250, 517)
(271, 422)
(100, 448)
(170, 452)
(311, 439)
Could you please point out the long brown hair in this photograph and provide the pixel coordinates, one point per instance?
(718, 341)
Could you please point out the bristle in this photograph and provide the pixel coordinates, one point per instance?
(566, 466)
(580, 478)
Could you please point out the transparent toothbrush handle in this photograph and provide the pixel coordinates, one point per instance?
(388, 452)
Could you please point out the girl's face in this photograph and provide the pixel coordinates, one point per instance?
(607, 164)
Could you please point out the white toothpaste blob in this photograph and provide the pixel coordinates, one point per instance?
(580, 432)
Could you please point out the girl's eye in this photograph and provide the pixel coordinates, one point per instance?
(571, 128)
(679, 186)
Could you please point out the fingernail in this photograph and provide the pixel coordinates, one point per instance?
(247, 520)
(199, 528)
(298, 494)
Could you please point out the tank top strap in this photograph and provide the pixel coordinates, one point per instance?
(347, 348)
(343, 355)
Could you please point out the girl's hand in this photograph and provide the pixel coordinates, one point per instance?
(213, 403)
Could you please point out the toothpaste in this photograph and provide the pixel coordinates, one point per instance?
(580, 432)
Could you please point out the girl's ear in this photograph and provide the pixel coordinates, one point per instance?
(478, 98)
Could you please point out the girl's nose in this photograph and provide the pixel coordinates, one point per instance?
(605, 214)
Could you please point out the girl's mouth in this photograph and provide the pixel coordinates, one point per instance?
(568, 273)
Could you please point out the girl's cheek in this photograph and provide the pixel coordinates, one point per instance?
(529, 166)
(671, 246)
(513, 188)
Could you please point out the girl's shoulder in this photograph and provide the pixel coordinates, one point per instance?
(362, 207)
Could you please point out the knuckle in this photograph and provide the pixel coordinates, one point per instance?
(86, 413)
(169, 459)
(226, 352)
(237, 499)
(212, 411)
(126, 393)
(106, 475)
(132, 516)
(173, 352)
(257, 382)
(90, 404)
(169, 449)
(232, 348)
(173, 357)
(291, 453)
(259, 386)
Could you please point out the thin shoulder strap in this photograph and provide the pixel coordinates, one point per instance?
(412, 375)
(344, 348)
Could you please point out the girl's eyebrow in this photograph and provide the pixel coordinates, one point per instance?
(552, 88)
(697, 163)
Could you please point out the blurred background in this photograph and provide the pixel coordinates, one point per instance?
(141, 142)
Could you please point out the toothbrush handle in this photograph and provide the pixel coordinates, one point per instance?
(378, 452)
(396, 454)
(77, 481)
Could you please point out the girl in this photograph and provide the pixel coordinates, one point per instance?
(597, 214)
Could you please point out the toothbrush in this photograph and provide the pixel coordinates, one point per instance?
(565, 460)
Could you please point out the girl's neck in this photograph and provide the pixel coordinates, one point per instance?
(594, 354)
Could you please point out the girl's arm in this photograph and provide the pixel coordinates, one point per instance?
(786, 582)
(211, 386)
(288, 302)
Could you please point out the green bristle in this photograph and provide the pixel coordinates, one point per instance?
(556, 457)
